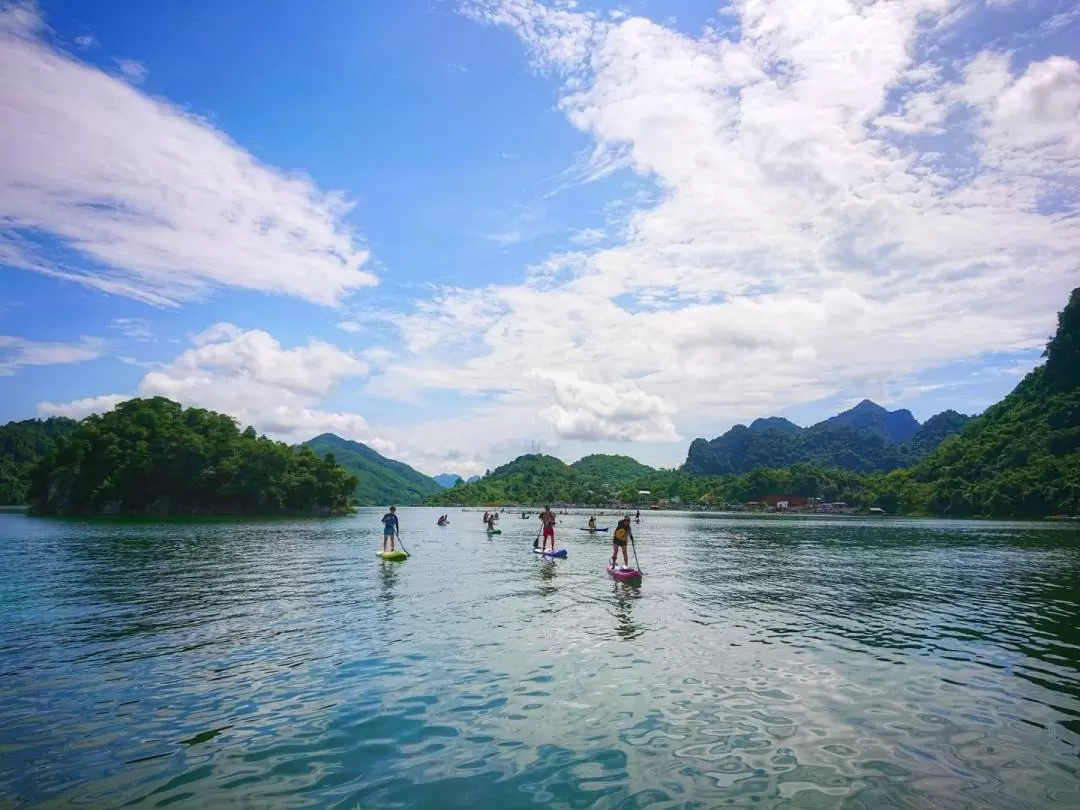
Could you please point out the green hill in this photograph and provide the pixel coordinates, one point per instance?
(611, 470)
(1021, 458)
(382, 480)
(155, 457)
(540, 479)
(22, 445)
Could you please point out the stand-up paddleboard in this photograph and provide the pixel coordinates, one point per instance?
(493, 531)
(392, 555)
(596, 530)
(561, 553)
(624, 574)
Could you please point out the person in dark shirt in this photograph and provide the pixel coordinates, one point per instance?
(390, 528)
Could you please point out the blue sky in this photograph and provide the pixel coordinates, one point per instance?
(462, 230)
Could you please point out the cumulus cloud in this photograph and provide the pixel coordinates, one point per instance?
(157, 204)
(251, 376)
(16, 352)
(81, 408)
(834, 215)
(595, 411)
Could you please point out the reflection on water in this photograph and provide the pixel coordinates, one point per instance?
(773, 662)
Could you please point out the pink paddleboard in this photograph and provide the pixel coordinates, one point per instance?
(624, 573)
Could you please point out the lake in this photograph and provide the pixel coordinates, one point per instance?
(765, 662)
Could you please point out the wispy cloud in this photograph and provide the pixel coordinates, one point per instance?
(158, 204)
(588, 236)
(136, 71)
(134, 328)
(17, 352)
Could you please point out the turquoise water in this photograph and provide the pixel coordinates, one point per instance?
(813, 663)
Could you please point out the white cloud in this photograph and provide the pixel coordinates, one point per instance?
(81, 408)
(352, 327)
(802, 244)
(251, 376)
(134, 328)
(587, 236)
(597, 411)
(134, 70)
(159, 205)
(85, 40)
(16, 352)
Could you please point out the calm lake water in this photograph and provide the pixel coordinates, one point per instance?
(813, 663)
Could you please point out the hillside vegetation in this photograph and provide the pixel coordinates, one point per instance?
(22, 445)
(153, 456)
(380, 480)
(866, 439)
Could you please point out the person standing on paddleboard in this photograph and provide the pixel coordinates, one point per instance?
(547, 517)
(619, 540)
(390, 528)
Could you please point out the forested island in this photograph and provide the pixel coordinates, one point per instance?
(155, 457)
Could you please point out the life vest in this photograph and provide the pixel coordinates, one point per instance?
(620, 533)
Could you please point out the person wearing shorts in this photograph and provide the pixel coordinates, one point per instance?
(390, 528)
(620, 540)
(547, 517)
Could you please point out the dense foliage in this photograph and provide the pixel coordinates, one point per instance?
(380, 480)
(152, 456)
(22, 444)
(1019, 459)
(538, 479)
(865, 439)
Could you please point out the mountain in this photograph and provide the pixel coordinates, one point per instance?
(382, 480)
(865, 439)
(1021, 458)
(775, 423)
(447, 480)
(473, 479)
(895, 426)
(22, 445)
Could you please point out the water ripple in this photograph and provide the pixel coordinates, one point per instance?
(766, 662)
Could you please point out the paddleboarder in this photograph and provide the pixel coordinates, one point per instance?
(390, 528)
(619, 540)
(592, 523)
(547, 518)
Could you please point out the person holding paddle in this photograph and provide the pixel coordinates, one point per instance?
(390, 528)
(622, 536)
(547, 518)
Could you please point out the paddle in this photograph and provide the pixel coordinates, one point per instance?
(634, 547)
(403, 544)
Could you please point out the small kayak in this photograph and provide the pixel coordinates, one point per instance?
(392, 555)
(596, 530)
(624, 574)
(561, 553)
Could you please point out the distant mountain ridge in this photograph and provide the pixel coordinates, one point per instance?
(382, 480)
(865, 438)
(447, 480)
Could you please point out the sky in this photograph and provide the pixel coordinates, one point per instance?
(460, 230)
